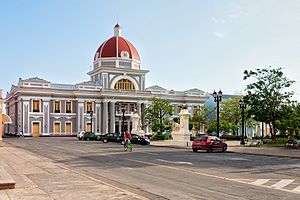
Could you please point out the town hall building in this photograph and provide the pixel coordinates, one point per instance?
(39, 107)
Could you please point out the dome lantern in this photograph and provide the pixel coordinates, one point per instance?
(117, 30)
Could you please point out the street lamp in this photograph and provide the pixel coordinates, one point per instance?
(123, 118)
(91, 115)
(218, 98)
(242, 106)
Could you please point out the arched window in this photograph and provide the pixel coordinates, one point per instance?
(124, 84)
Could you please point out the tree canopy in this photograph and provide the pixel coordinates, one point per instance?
(267, 94)
(158, 114)
(200, 118)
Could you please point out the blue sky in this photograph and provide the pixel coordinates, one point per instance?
(185, 44)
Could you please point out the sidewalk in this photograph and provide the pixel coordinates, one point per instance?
(235, 147)
(40, 178)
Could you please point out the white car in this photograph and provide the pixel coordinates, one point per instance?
(80, 135)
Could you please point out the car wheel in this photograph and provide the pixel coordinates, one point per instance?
(122, 142)
(88, 139)
(195, 150)
(105, 140)
(209, 150)
(224, 149)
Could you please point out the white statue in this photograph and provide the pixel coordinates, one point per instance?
(176, 126)
(136, 125)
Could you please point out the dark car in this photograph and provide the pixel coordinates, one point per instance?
(290, 143)
(296, 144)
(135, 139)
(89, 136)
(110, 137)
(209, 143)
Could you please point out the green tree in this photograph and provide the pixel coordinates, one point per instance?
(200, 118)
(289, 120)
(230, 114)
(266, 94)
(158, 114)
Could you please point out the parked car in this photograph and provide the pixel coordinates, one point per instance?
(290, 143)
(80, 135)
(89, 136)
(209, 143)
(167, 133)
(296, 144)
(135, 139)
(110, 137)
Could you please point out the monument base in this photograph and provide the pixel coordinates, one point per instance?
(181, 139)
(182, 143)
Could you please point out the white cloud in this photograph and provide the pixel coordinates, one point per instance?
(219, 35)
(216, 20)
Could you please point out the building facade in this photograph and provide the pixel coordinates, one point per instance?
(39, 107)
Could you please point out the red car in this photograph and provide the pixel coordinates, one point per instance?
(209, 143)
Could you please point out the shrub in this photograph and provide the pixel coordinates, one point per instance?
(232, 137)
(160, 136)
(276, 141)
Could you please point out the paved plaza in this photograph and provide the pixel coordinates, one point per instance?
(65, 168)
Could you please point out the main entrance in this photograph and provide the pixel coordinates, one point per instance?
(35, 129)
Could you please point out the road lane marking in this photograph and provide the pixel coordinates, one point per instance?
(281, 184)
(151, 153)
(238, 159)
(260, 181)
(213, 176)
(179, 162)
(297, 189)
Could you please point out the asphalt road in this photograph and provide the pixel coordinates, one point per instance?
(171, 173)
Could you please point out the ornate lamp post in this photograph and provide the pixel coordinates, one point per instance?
(91, 115)
(123, 118)
(218, 98)
(242, 106)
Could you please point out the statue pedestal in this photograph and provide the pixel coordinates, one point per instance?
(136, 127)
(181, 137)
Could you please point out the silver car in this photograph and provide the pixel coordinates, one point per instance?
(80, 135)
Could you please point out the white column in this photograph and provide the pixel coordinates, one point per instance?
(128, 125)
(112, 117)
(120, 126)
(105, 117)
(139, 111)
(98, 118)
(46, 117)
(26, 116)
(80, 110)
(20, 116)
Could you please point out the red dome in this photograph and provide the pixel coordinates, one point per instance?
(109, 49)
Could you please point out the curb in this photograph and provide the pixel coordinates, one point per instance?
(6, 182)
